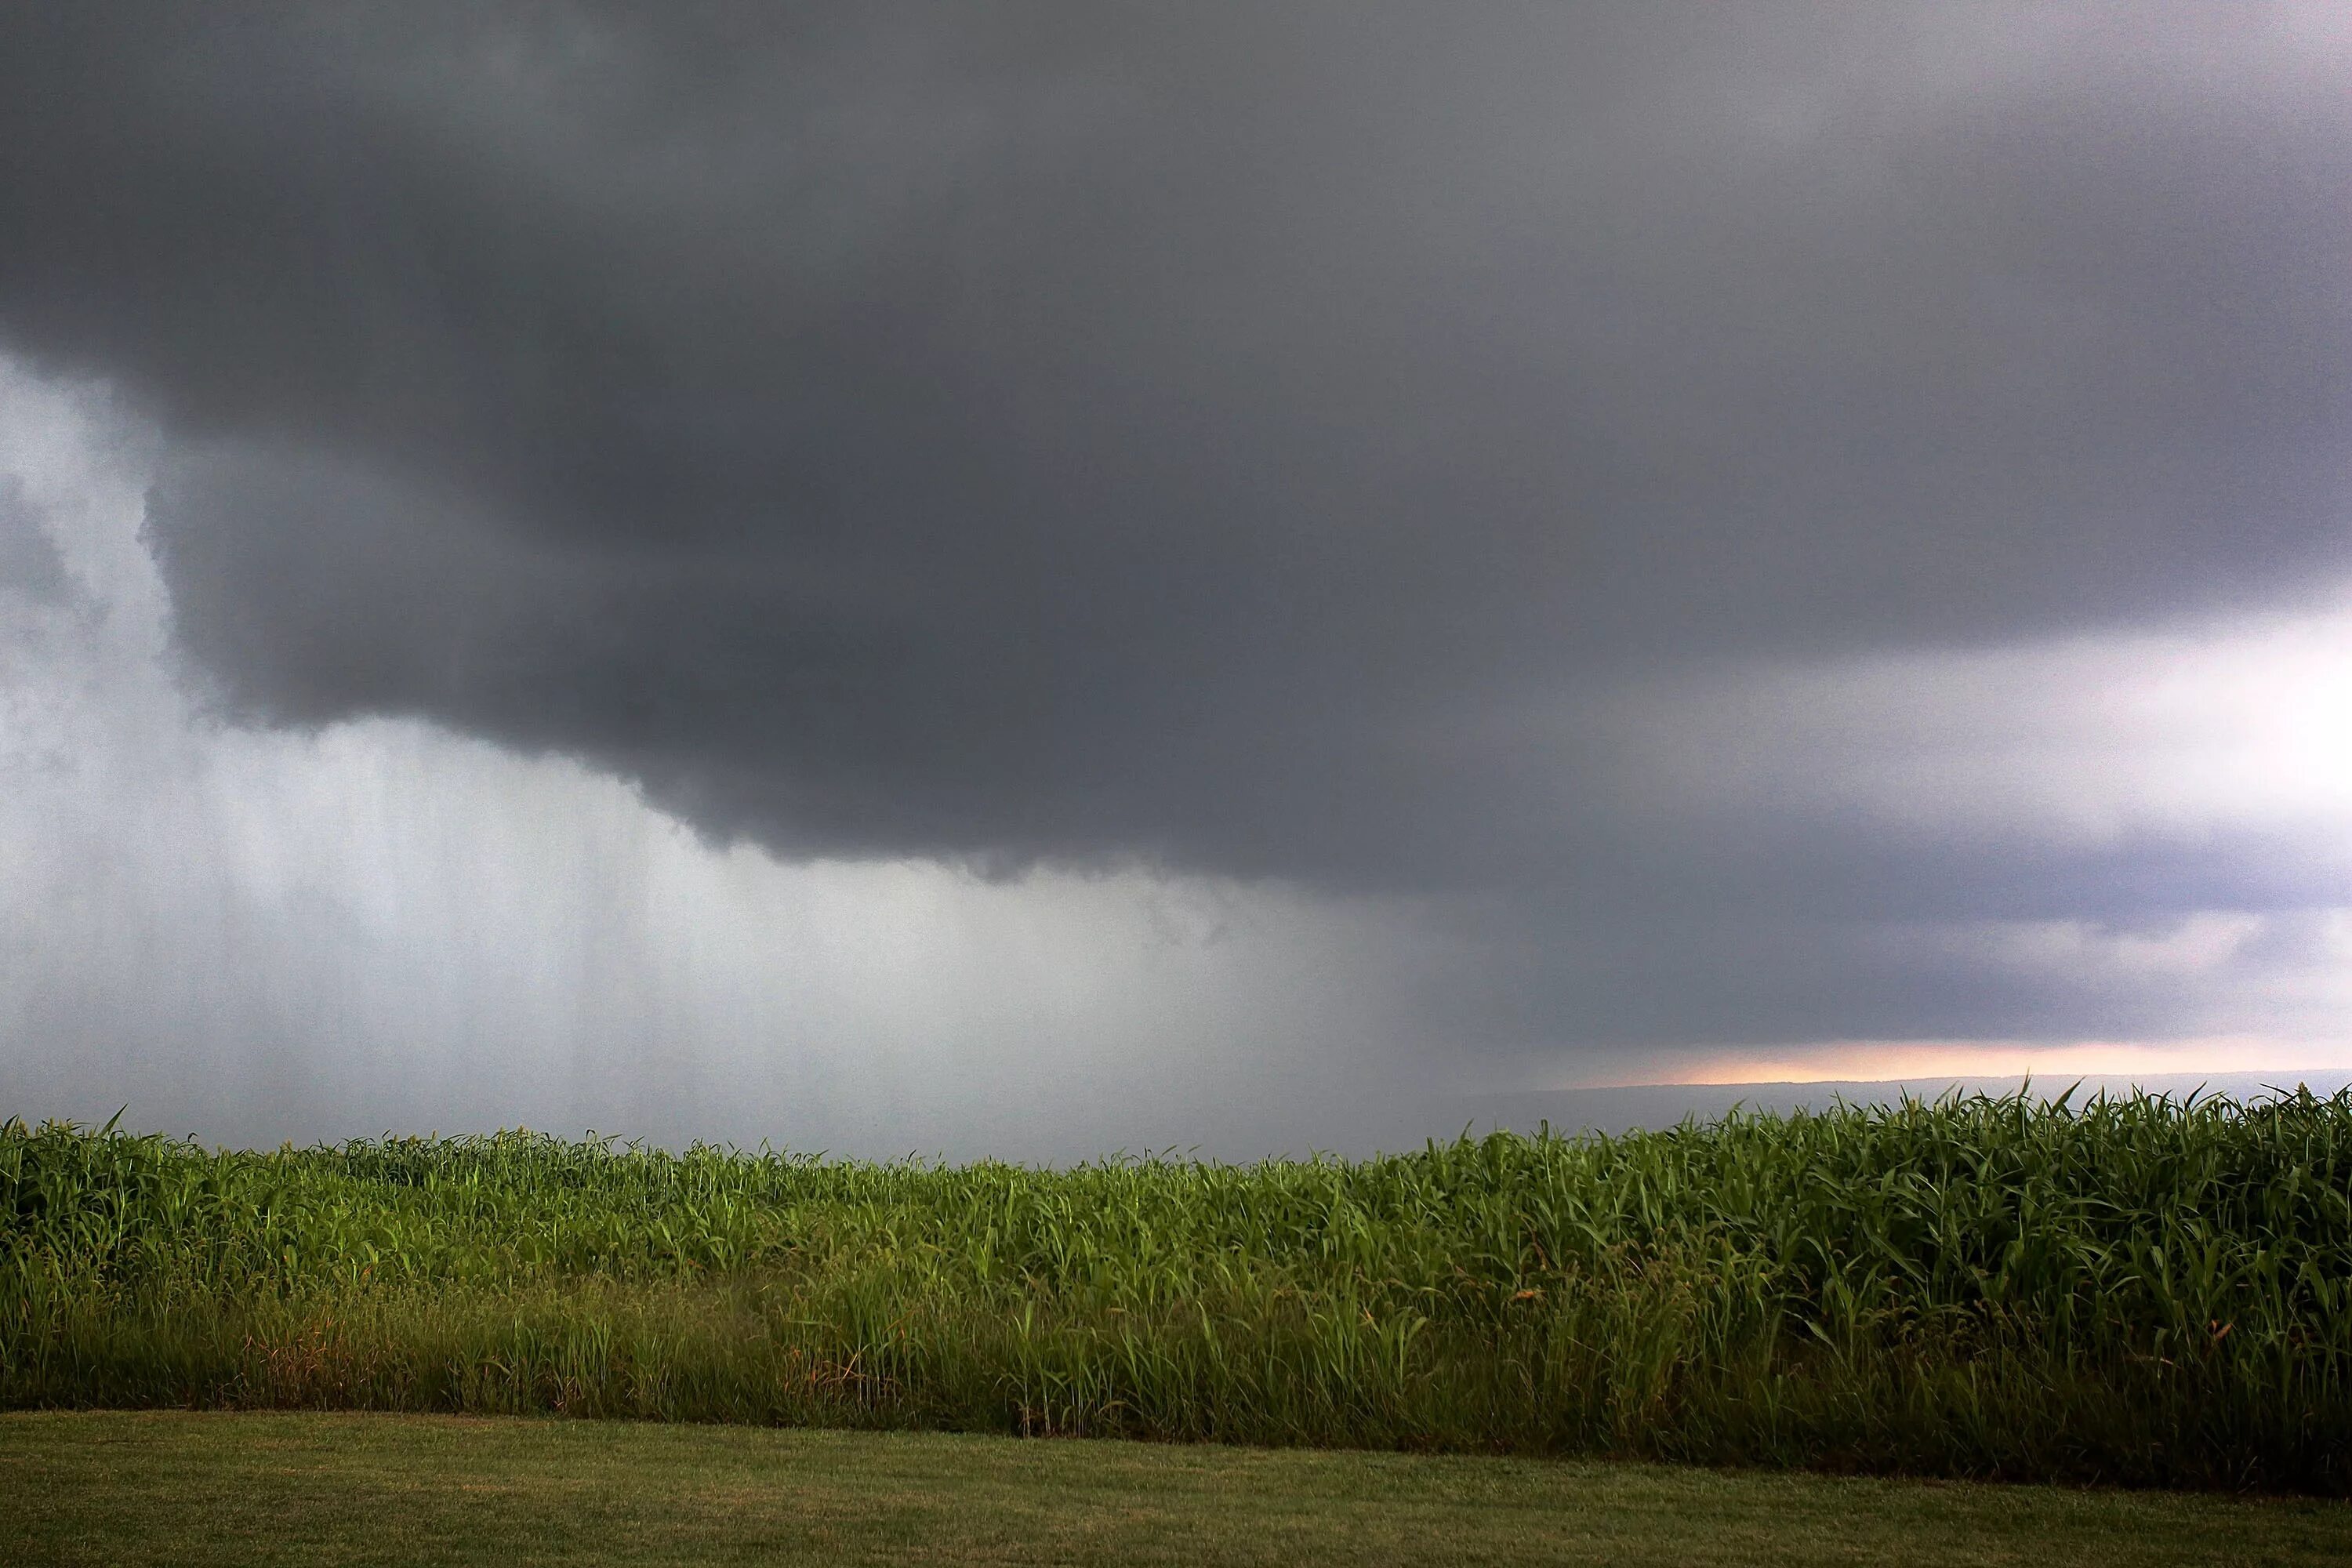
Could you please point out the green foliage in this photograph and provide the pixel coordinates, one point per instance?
(2133, 1289)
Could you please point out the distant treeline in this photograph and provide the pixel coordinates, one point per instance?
(2135, 1290)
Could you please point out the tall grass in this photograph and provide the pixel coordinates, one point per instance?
(2134, 1290)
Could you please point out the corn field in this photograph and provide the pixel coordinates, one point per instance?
(2136, 1291)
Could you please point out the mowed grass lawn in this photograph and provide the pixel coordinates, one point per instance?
(183, 1488)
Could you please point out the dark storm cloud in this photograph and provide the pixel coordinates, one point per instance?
(1187, 432)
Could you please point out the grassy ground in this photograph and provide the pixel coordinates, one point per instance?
(122, 1488)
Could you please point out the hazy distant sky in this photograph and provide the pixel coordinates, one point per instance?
(1038, 576)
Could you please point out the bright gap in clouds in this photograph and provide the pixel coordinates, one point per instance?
(262, 934)
(2085, 741)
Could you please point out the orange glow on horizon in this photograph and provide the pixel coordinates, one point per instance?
(1872, 1061)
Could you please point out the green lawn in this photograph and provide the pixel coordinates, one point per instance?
(197, 1489)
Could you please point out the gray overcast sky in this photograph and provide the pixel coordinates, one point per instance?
(896, 574)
